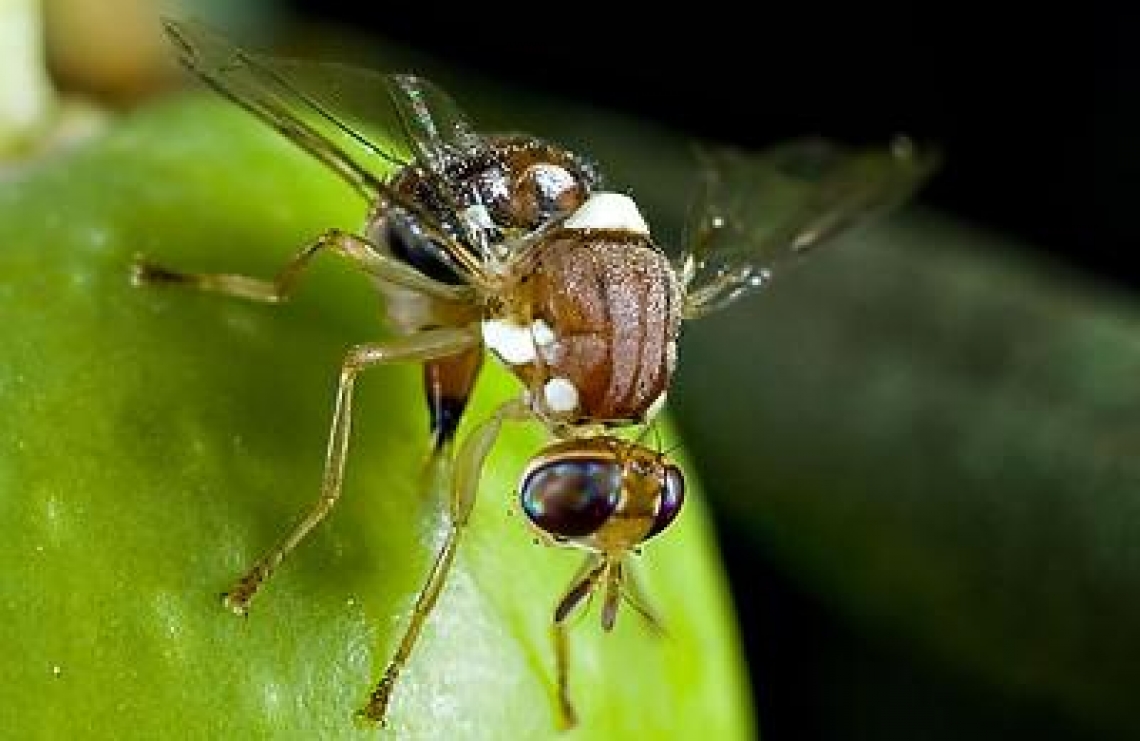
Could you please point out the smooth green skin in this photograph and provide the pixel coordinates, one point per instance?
(156, 441)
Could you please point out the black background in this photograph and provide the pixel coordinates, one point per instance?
(1035, 110)
(1037, 114)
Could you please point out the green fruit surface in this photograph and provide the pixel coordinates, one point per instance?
(156, 441)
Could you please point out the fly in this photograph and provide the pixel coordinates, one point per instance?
(514, 245)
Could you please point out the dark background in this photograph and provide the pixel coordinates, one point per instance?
(1035, 111)
(1037, 116)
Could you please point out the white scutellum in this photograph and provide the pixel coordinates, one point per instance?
(608, 211)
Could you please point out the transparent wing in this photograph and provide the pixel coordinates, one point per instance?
(339, 114)
(757, 212)
(432, 122)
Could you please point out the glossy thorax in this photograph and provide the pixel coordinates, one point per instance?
(576, 300)
(482, 200)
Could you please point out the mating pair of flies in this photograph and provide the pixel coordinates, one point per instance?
(512, 244)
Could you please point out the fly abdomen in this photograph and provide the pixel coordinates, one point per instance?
(602, 318)
(447, 385)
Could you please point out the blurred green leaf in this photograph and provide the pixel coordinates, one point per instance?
(938, 436)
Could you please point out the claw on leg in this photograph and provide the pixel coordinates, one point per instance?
(463, 488)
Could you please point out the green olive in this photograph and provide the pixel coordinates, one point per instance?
(156, 441)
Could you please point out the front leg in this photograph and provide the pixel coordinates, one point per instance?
(581, 587)
(423, 346)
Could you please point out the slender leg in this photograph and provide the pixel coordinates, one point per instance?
(426, 345)
(279, 289)
(583, 585)
(468, 466)
(636, 597)
(613, 595)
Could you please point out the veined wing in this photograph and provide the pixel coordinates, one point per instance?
(432, 122)
(360, 123)
(757, 212)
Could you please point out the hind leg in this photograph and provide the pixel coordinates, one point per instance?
(428, 345)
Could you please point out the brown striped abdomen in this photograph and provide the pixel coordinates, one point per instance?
(614, 306)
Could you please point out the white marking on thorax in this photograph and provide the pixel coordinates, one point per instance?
(514, 343)
(561, 395)
(608, 211)
(655, 408)
(552, 179)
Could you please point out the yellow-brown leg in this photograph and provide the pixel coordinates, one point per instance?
(465, 485)
(583, 585)
(635, 597)
(422, 346)
(612, 600)
(356, 249)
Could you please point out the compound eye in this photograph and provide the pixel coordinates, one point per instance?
(571, 498)
(672, 497)
(545, 190)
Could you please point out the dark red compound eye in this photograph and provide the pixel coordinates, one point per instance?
(672, 497)
(571, 498)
